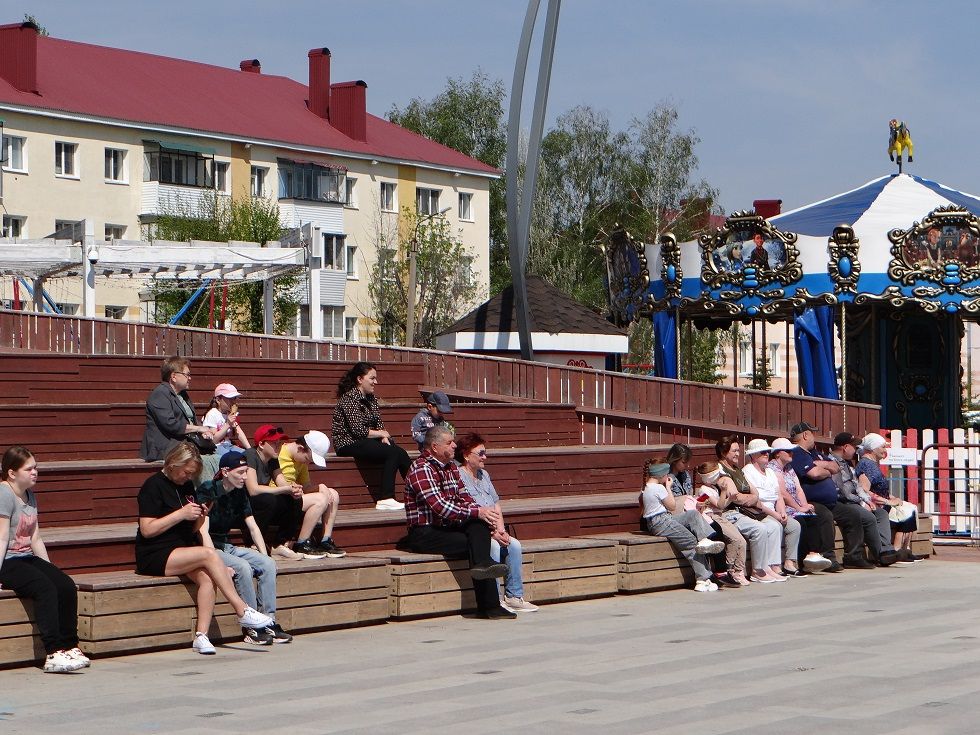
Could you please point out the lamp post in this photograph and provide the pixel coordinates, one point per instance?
(413, 250)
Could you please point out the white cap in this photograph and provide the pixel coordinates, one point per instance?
(319, 445)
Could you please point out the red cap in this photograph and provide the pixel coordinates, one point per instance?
(269, 433)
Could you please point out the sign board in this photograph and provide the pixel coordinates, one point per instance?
(901, 457)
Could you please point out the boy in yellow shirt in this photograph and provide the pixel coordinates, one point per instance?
(294, 459)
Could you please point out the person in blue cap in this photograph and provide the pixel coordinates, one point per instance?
(436, 408)
(227, 500)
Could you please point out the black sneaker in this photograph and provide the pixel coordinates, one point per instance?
(278, 634)
(331, 549)
(258, 637)
(488, 571)
(834, 567)
(858, 564)
(308, 550)
(496, 613)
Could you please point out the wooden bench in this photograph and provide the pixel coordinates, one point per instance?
(30, 378)
(20, 643)
(123, 612)
(554, 570)
(80, 432)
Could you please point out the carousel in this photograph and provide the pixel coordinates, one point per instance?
(877, 283)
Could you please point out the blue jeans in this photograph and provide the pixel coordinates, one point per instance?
(249, 563)
(512, 556)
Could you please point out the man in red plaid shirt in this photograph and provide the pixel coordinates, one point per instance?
(444, 519)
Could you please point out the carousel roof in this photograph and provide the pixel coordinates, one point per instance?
(876, 207)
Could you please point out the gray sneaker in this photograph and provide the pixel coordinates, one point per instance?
(517, 604)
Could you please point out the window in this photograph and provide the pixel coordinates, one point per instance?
(13, 154)
(64, 159)
(257, 186)
(427, 201)
(66, 308)
(745, 359)
(309, 181)
(68, 229)
(350, 193)
(14, 226)
(116, 312)
(466, 207)
(388, 201)
(350, 329)
(183, 168)
(221, 176)
(333, 322)
(351, 260)
(115, 165)
(334, 252)
(114, 232)
(775, 361)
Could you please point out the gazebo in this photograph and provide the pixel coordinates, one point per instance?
(892, 266)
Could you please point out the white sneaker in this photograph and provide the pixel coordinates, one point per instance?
(389, 504)
(707, 546)
(252, 618)
(816, 562)
(517, 604)
(60, 662)
(202, 644)
(77, 655)
(705, 585)
(284, 552)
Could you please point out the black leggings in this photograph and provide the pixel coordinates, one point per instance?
(391, 456)
(55, 598)
(281, 510)
(471, 538)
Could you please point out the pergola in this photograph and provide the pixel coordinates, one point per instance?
(39, 260)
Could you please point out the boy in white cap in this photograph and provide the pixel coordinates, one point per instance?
(319, 506)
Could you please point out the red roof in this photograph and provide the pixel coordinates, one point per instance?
(131, 86)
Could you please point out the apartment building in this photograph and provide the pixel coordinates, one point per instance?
(117, 137)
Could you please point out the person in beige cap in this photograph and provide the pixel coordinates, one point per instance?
(766, 482)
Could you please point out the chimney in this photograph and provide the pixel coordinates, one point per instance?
(320, 82)
(348, 109)
(251, 66)
(767, 207)
(18, 55)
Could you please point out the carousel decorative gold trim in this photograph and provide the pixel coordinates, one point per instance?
(844, 267)
(723, 262)
(944, 248)
(634, 287)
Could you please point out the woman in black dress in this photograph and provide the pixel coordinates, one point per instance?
(172, 527)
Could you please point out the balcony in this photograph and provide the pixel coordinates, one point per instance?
(157, 199)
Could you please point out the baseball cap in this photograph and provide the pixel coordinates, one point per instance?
(229, 461)
(799, 428)
(226, 390)
(845, 437)
(269, 433)
(319, 445)
(441, 401)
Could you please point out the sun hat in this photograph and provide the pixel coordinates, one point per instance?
(757, 445)
(870, 442)
(782, 444)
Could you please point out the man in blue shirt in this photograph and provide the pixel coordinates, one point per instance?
(815, 473)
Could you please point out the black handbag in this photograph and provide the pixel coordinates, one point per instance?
(204, 446)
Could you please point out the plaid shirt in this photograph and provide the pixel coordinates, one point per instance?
(435, 495)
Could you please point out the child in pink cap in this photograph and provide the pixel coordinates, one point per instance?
(222, 419)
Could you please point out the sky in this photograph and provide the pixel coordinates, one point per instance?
(790, 99)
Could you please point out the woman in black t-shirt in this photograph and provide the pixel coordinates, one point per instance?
(172, 527)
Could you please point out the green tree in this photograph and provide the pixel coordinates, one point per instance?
(445, 279)
(468, 115)
(41, 30)
(762, 373)
(220, 219)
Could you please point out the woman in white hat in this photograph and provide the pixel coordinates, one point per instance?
(870, 477)
(766, 482)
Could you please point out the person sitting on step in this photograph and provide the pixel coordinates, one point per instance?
(319, 506)
(437, 406)
(228, 508)
(687, 532)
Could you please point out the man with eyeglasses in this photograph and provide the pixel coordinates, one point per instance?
(169, 412)
(443, 519)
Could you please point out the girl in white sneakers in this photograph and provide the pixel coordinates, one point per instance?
(26, 570)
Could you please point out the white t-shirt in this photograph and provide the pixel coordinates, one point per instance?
(653, 495)
(766, 484)
(214, 420)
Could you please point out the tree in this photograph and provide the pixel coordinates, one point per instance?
(219, 219)
(41, 30)
(468, 115)
(445, 278)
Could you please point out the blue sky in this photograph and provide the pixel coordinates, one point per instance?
(791, 100)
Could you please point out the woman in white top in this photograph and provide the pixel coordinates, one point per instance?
(688, 532)
(770, 487)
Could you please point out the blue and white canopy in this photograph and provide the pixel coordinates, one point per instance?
(872, 210)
